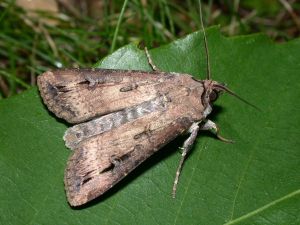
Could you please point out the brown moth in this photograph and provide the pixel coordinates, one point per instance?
(122, 118)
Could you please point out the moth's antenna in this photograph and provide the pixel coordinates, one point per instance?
(237, 96)
(208, 76)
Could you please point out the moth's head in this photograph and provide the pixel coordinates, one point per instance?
(212, 91)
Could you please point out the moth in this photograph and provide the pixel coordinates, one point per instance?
(122, 117)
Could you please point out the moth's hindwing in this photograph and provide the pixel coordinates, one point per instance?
(106, 149)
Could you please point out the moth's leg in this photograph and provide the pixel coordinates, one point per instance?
(150, 60)
(185, 149)
(210, 125)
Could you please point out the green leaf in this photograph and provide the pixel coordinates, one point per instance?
(256, 180)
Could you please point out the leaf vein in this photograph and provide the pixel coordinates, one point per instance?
(265, 207)
(240, 184)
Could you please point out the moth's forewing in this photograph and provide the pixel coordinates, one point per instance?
(104, 158)
(79, 95)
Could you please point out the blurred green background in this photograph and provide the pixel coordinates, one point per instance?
(38, 35)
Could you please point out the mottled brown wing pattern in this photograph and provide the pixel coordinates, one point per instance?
(82, 94)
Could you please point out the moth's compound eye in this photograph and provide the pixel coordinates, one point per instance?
(213, 96)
